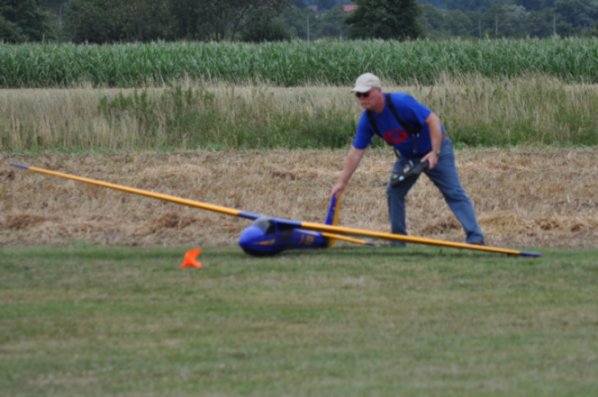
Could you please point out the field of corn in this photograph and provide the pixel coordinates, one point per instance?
(294, 63)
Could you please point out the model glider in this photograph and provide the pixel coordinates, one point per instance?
(269, 235)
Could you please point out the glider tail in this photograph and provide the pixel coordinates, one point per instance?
(333, 211)
(332, 219)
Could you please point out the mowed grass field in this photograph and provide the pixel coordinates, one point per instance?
(83, 316)
(84, 319)
(421, 321)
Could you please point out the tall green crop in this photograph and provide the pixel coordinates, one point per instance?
(293, 63)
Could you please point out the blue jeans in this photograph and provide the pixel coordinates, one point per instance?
(446, 179)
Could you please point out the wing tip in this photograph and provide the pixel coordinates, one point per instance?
(530, 254)
(21, 166)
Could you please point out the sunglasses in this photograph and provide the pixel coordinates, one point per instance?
(362, 94)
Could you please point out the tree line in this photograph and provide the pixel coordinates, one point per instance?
(510, 18)
(105, 21)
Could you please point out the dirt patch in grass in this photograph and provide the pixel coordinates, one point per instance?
(523, 197)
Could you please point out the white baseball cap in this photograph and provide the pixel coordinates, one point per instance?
(366, 82)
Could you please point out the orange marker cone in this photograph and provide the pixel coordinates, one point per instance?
(191, 259)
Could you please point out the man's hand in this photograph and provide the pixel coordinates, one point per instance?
(338, 188)
(408, 171)
(436, 136)
(432, 159)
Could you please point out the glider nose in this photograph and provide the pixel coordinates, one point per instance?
(250, 235)
(255, 241)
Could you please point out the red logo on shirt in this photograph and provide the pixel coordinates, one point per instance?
(395, 136)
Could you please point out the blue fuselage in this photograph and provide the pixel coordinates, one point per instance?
(265, 236)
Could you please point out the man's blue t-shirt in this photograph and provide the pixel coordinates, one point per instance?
(395, 134)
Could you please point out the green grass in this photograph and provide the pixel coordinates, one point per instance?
(421, 321)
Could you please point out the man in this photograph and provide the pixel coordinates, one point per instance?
(417, 135)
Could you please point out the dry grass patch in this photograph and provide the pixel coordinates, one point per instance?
(523, 197)
(478, 111)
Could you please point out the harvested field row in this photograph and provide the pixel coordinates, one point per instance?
(523, 197)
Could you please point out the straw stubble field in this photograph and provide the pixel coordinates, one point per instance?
(523, 197)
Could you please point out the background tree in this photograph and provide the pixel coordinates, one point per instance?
(432, 20)
(220, 19)
(147, 19)
(593, 32)
(24, 20)
(385, 19)
(100, 21)
(9, 30)
(575, 17)
(440, 23)
(535, 5)
(56, 7)
(464, 23)
(266, 28)
(505, 20)
(332, 24)
(300, 20)
(94, 21)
